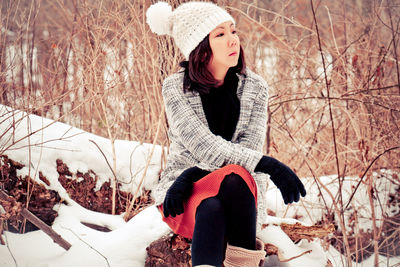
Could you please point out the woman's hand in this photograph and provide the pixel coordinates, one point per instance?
(180, 190)
(283, 177)
(176, 194)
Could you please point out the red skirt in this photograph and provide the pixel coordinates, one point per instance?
(208, 186)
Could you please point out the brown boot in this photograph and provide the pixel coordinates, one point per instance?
(240, 257)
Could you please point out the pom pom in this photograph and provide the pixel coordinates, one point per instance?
(158, 18)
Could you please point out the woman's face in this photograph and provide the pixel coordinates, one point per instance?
(225, 46)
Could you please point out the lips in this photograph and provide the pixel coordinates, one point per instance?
(233, 54)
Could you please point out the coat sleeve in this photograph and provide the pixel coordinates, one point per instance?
(197, 137)
(254, 137)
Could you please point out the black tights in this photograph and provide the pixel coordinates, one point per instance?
(229, 216)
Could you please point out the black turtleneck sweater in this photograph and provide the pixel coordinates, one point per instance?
(222, 106)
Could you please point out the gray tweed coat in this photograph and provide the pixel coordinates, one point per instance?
(193, 144)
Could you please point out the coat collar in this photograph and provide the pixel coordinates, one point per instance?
(246, 99)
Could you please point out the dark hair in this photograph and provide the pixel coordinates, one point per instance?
(197, 76)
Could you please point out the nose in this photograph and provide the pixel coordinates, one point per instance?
(232, 40)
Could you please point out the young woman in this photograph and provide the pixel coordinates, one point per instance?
(212, 189)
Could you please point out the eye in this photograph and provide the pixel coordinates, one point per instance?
(220, 35)
(234, 31)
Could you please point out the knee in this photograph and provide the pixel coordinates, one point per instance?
(233, 182)
(210, 207)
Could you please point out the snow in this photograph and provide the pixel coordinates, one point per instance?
(312, 208)
(124, 246)
(37, 142)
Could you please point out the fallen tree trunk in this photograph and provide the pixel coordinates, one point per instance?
(174, 250)
(298, 231)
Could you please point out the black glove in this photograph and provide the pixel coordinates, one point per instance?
(283, 177)
(180, 190)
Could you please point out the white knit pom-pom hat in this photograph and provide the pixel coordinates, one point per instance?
(188, 24)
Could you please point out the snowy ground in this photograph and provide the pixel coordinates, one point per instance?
(126, 244)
